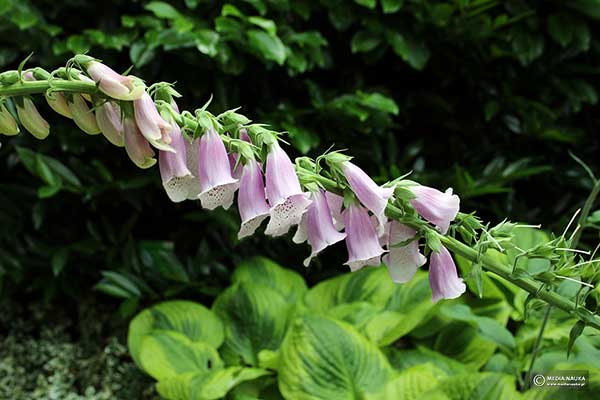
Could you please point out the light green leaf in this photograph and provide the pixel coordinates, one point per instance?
(367, 3)
(411, 383)
(404, 359)
(411, 50)
(165, 354)
(268, 46)
(193, 320)
(480, 386)
(255, 317)
(391, 6)
(364, 41)
(266, 24)
(289, 284)
(162, 10)
(206, 386)
(207, 41)
(326, 359)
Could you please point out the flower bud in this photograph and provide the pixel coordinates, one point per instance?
(8, 125)
(58, 103)
(154, 128)
(113, 84)
(108, 117)
(82, 115)
(31, 119)
(137, 147)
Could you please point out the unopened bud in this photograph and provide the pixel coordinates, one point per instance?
(82, 115)
(58, 102)
(31, 119)
(8, 124)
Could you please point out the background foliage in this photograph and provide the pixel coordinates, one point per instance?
(483, 96)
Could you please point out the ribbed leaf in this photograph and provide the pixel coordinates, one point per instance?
(255, 317)
(479, 386)
(165, 354)
(411, 383)
(322, 358)
(196, 322)
(287, 283)
(206, 386)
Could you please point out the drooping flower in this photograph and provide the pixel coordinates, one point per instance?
(335, 203)
(437, 207)
(137, 147)
(402, 262)
(192, 150)
(154, 128)
(252, 204)
(82, 115)
(284, 193)
(372, 196)
(317, 226)
(109, 120)
(8, 125)
(176, 177)
(58, 103)
(31, 119)
(361, 238)
(114, 84)
(217, 186)
(443, 278)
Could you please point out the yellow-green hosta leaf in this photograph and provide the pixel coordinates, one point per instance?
(287, 283)
(410, 384)
(193, 320)
(405, 359)
(322, 358)
(256, 318)
(206, 385)
(165, 354)
(479, 386)
(372, 285)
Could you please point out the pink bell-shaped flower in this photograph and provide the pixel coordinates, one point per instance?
(335, 203)
(362, 240)
(317, 226)
(154, 128)
(437, 207)
(443, 278)
(284, 193)
(176, 177)
(109, 120)
(217, 186)
(114, 84)
(252, 204)
(402, 262)
(372, 196)
(137, 147)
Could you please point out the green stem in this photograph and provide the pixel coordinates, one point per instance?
(536, 347)
(585, 212)
(491, 264)
(37, 87)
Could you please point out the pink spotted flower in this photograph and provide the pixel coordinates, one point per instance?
(362, 240)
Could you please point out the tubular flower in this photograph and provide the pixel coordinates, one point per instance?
(137, 147)
(8, 125)
(361, 238)
(31, 119)
(176, 177)
(192, 148)
(84, 117)
(108, 118)
(251, 199)
(443, 278)
(371, 195)
(317, 226)
(437, 207)
(335, 203)
(217, 186)
(402, 262)
(284, 193)
(58, 103)
(154, 128)
(114, 84)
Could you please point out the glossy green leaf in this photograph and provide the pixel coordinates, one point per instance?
(192, 320)
(206, 385)
(255, 317)
(166, 354)
(323, 358)
(289, 284)
(267, 46)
